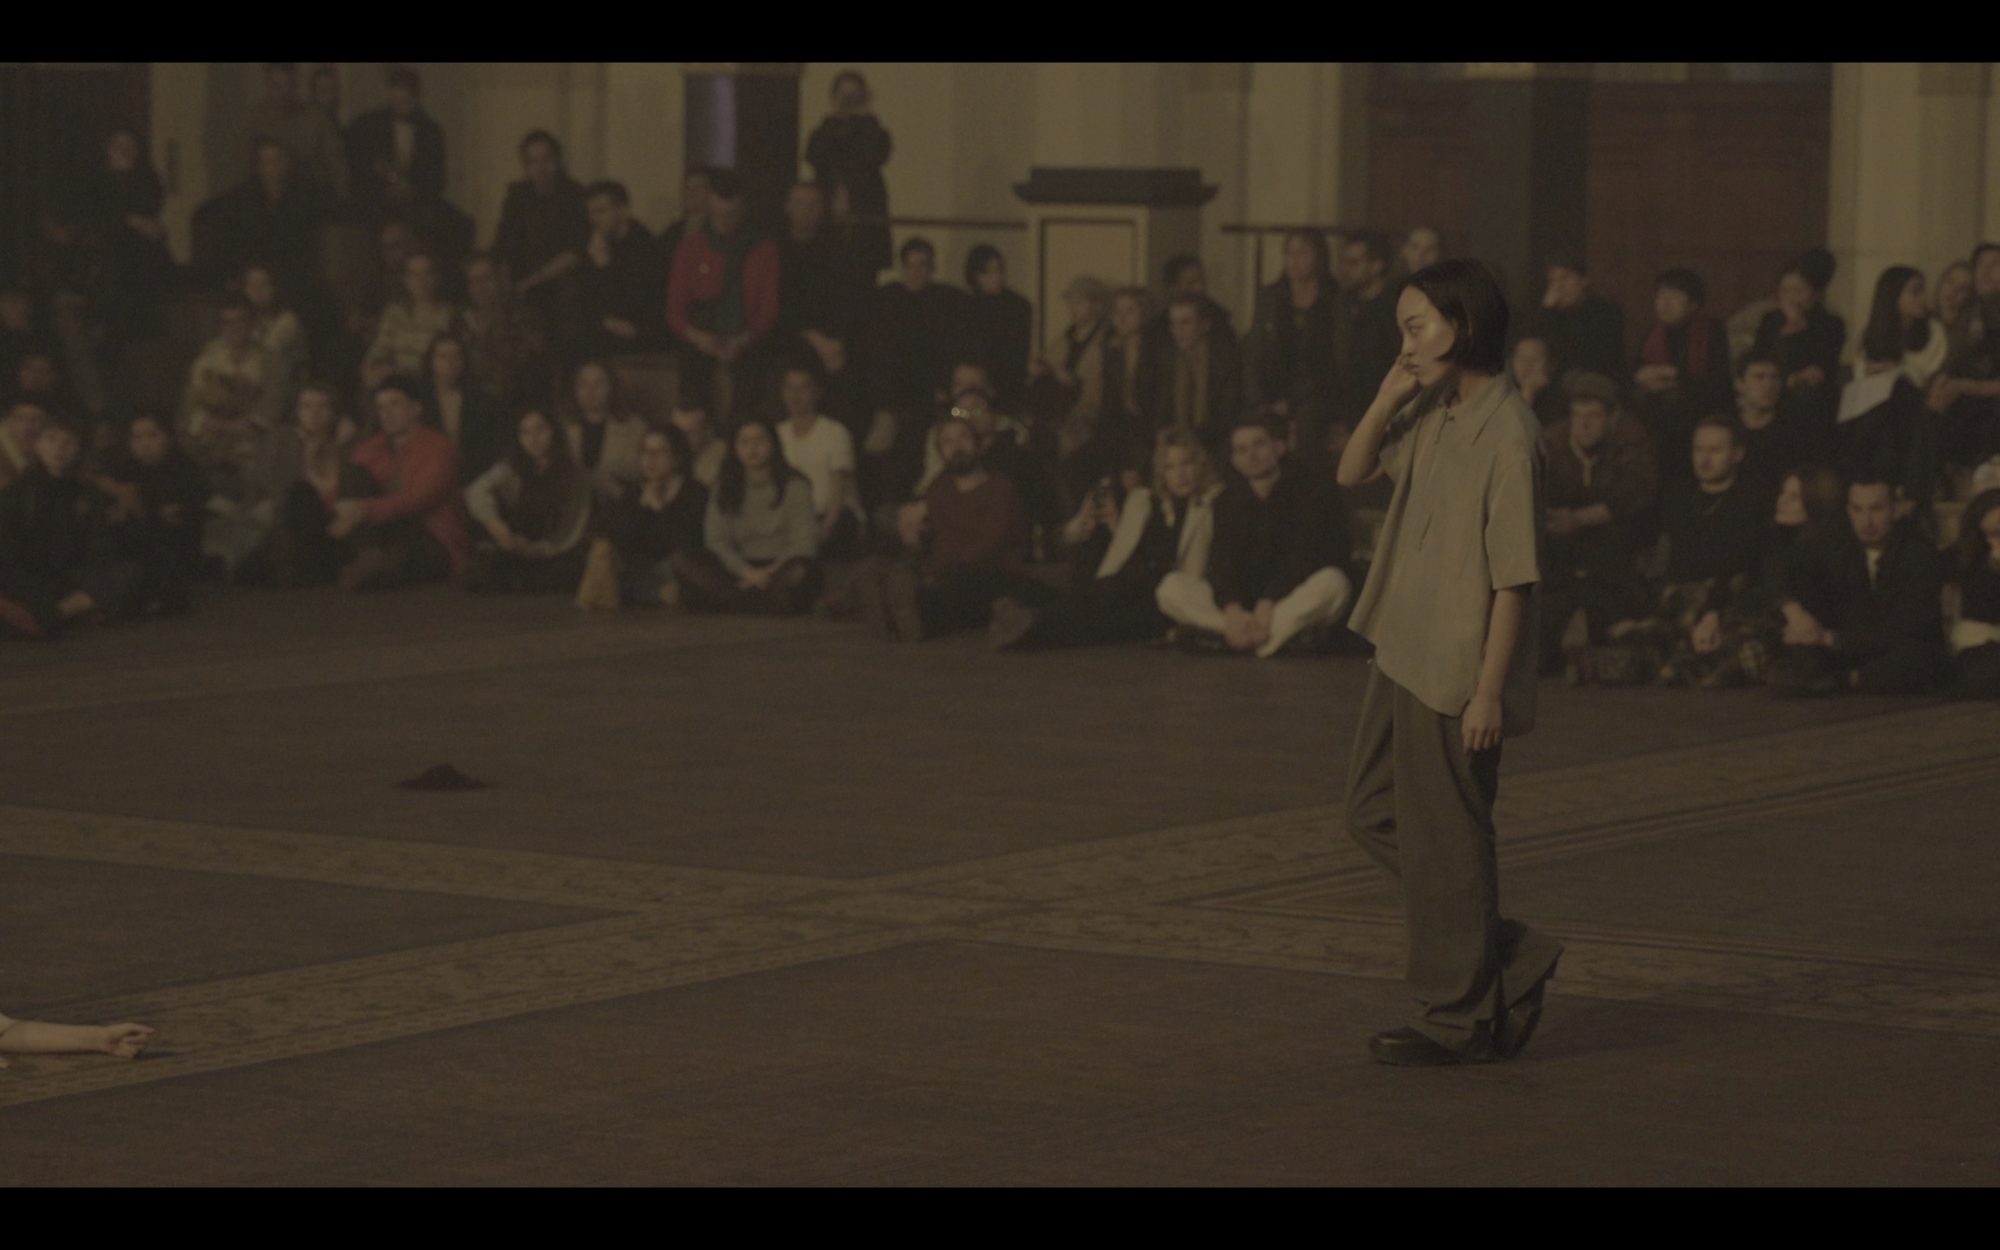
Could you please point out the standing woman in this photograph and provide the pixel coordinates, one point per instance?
(847, 153)
(1449, 605)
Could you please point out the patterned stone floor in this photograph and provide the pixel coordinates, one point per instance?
(1695, 852)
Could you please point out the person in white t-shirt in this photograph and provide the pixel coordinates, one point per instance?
(823, 450)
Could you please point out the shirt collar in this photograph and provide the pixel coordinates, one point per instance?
(1477, 413)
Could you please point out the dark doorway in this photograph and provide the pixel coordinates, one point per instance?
(53, 122)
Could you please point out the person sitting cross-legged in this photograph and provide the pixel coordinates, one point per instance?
(1863, 604)
(535, 507)
(966, 548)
(647, 525)
(1717, 533)
(1278, 567)
(411, 531)
(1159, 531)
(58, 564)
(760, 536)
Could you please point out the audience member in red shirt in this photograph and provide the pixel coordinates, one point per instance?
(722, 301)
(412, 531)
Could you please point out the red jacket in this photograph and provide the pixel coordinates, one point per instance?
(697, 277)
(420, 478)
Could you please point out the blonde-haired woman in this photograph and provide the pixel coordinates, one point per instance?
(1159, 530)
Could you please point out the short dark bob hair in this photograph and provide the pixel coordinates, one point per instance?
(1467, 295)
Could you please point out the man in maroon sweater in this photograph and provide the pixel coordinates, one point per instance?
(972, 532)
(412, 530)
(722, 302)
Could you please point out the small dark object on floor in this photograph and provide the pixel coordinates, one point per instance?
(442, 777)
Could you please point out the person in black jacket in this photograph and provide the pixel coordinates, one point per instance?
(55, 560)
(544, 228)
(159, 504)
(396, 154)
(1862, 604)
(1585, 332)
(656, 517)
(1975, 638)
(999, 325)
(847, 153)
(1279, 563)
(623, 277)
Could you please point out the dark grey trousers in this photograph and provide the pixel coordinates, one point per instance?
(1423, 809)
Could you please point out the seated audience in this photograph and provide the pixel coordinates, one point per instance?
(1066, 393)
(1005, 445)
(1953, 307)
(912, 327)
(966, 547)
(1197, 383)
(1862, 605)
(504, 337)
(999, 325)
(1901, 329)
(1422, 248)
(396, 153)
(271, 219)
(1807, 341)
(233, 399)
(1159, 531)
(275, 326)
(1290, 355)
(1775, 441)
(821, 289)
(1366, 338)
(158, 504)
(543, 230)
(623, 273)
(722, 301)
(21, 423)
(1716, 532)
(39, 378)
(1967, 397)
(309, 136)
(1585, 331)
(821, 449)
(470, 415)
(1280, 561)
(1682, 374)
(696, 192)
(534, 506)
(759, 548)
(1124, 354)
(603, 438)
(411, 530)
(411, 323)
(1528, 364)
(706, 451)
(58, 565)
(1601, 485)
(1975, 571)
(653, 521)
(282, 536)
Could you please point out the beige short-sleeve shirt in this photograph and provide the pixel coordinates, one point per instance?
(1464, 521)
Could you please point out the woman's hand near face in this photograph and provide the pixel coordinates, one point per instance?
(1399, 383)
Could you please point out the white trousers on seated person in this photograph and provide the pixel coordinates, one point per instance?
(1318, 600)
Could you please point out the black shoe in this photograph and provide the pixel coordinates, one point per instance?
(1407, 1048)
(1516, 1024)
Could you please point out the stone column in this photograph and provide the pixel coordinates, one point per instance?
(1530, 160)
(1910, 171)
